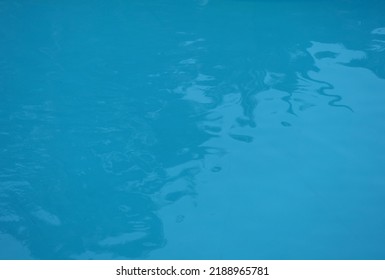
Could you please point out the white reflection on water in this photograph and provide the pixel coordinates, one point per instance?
(293, 179)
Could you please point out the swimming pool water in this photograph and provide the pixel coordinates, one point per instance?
(207, 129)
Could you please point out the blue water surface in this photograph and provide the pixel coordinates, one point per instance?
(192, 129)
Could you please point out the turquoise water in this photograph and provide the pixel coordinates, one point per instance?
(211, 129)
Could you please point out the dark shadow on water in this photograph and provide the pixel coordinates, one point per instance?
(90, 134)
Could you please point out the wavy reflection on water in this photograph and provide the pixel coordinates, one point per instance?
(197, 129)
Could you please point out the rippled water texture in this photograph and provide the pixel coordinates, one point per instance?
(210, 129)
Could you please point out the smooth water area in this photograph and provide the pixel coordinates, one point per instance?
(186, 129)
